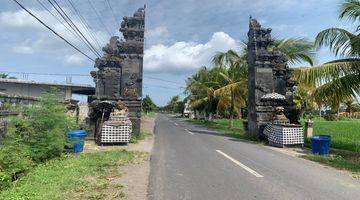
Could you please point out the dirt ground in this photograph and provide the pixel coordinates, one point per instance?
(135, 177)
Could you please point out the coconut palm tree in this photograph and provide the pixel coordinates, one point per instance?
(232, 93)
(296, 50)
(232, 88)
(200, 88)
(339, 79)
(234, 78)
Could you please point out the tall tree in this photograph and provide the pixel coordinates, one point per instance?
(148, 105)
(339, 79)
(200, 88)
(175, 105)
(232, 89)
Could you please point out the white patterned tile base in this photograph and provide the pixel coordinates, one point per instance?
(115, 134)
(285, 135)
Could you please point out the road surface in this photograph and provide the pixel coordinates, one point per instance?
(190, 162)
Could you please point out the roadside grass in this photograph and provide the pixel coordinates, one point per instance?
(83, 176)
(143, 134)
(222, 126)
(149, 114)
(350, 163)
(344, 134)
(136, 138)
(345, 140)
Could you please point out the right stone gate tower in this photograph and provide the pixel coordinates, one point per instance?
(268, 76)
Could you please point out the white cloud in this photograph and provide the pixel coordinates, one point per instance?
(23, 49)
(159, 31)
(159, 34)
(41, 40)
(183, 57)
(20, 19)
(75, 59)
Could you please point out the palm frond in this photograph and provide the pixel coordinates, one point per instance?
(350, 9)
(296, 50)
(198, 102)
(340, 41)
(225, 59)
(318, 75)
(338, 90)
(225, 90)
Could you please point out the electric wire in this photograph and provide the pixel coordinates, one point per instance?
(53, 31)
(85, 75)
(59, 20)
(74, 27)
(113, 13)
(71, 26)
(99, 17)
(87, 26)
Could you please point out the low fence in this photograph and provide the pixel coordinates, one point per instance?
(355, 115)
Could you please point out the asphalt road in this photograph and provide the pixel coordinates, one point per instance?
(190, 162)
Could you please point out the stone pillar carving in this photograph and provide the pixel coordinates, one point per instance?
(268, 73)
(120, 71)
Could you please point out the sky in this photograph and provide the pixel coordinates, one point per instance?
(181, 35)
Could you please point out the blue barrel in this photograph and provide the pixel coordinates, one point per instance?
(76, 139)
(320, 144)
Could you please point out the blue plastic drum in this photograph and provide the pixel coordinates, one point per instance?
(76, 139)
(320, 144)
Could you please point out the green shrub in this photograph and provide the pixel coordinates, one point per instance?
(5, 180)
(39, 134)
(330, 117)
(14, 159)
(47, 124)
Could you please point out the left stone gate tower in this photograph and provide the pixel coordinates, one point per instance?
(119, 74)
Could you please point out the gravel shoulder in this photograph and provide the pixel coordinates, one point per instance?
(134, 177)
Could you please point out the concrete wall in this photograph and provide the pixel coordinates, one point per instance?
(30, 90)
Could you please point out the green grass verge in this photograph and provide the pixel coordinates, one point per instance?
(222, 126)
(83, 176)
(350, 163)
(149, 114)
(136, 138)
(344, 134)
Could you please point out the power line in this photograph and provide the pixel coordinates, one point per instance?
(76, 48)
(86, 75)
(87, 26)
(112, 12)
(161, 86)
(99, 17)
(74, 27)
(59, 20)
(159, 79)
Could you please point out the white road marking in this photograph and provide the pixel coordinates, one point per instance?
(176, 124)
(241, 165)
(191, 133)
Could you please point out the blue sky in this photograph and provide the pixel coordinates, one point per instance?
(181, 35)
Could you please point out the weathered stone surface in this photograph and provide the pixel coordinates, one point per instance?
(268, 72)
(120, 72)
